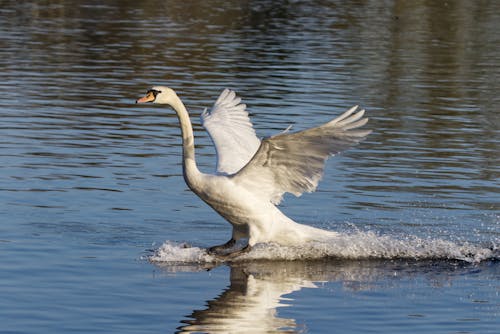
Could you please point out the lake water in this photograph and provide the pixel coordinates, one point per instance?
(95, 215)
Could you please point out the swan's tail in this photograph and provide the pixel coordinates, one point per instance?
(318, 234)
(309, 233)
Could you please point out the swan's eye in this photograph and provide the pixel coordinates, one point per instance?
(154, 92)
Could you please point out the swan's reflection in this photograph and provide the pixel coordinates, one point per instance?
(257, 289)
(248, 305)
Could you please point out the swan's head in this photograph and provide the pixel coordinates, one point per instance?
(159, 94)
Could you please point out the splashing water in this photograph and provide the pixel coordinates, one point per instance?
(357, 245)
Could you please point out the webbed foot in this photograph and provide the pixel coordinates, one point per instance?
(236, 253)
(219, 248)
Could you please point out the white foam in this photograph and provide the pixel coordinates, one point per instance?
(356, 245)
(181, 253)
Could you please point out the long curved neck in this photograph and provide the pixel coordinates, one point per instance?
(190, 170)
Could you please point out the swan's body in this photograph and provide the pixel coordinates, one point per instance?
(252, 175)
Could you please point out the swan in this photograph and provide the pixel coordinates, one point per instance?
(252, 175)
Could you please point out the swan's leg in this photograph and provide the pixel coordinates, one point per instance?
(252, 240)
(219, 248)
(239, 232)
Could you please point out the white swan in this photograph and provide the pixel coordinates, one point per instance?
(252, 175)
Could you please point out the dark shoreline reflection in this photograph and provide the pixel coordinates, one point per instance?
(250, 304)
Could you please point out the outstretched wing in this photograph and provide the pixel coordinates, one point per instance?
(294, 162)
(231, 132)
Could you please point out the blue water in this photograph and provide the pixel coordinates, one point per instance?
(99, 232)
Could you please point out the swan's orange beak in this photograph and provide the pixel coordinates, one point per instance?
(149, 97)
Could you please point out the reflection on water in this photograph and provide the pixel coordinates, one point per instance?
(259, 290)
(248, 305)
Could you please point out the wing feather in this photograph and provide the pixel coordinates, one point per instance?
(231, 131)
(294, 162)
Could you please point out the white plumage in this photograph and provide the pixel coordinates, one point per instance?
(252, 175)
(231, 131)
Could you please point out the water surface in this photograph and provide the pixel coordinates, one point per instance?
(91, 185)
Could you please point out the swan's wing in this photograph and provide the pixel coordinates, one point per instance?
(231, 131)
(294, 162)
